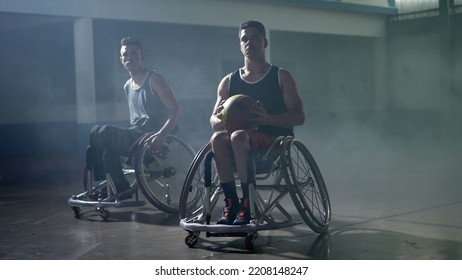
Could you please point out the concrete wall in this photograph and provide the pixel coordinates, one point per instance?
(303, 17)
(424, 69)
(61, 71)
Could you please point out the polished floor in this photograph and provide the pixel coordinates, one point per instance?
(395, 203)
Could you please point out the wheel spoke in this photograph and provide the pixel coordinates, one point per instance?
(161, 175)
(307, 187)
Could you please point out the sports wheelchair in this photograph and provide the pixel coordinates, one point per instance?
(159, 176)
(286, 170)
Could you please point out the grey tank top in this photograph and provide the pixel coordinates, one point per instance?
(146, 110)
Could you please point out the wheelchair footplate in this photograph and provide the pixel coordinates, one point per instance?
(100, 205)
(249, 231)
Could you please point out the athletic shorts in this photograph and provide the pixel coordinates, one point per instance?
(260, 141)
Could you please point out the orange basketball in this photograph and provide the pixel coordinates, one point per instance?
(237, 112)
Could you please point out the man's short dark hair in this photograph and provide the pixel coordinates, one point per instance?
(131, 41)
(255, 24)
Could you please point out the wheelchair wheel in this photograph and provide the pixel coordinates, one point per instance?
(307, 187)
(201, 178)
(160, 176)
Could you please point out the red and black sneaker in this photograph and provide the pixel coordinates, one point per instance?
(243, 216)
(229, 211)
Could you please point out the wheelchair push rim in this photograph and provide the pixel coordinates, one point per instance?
(160, 176)
(306, 186)
(193, 205)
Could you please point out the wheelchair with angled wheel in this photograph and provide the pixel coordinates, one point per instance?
(157, 176)
(286, 177)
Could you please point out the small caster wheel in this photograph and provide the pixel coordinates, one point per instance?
(76, 210)
(105, 214)
(191, 240)
(249, 240)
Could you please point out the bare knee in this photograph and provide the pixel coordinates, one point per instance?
(240, 139)
(220, 138)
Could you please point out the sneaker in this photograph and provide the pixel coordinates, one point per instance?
(230, 210)
(124, 193)
(127, 193)
(243, 216)
(97, 195)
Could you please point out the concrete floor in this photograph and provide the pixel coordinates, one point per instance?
(399, 204)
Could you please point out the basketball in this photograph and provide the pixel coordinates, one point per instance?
(237, 112)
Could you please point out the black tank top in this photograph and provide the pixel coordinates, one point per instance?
(268, 91)
(147, 112)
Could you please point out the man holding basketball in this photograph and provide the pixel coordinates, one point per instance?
(280, 109)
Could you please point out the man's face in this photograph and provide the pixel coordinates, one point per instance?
(131, 58)
(252, 42)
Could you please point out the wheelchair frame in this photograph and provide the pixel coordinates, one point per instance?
(159, 177)
(292, 164)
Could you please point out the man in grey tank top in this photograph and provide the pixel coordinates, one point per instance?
(282, 109)
(152, 107)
